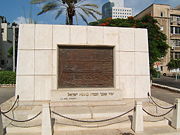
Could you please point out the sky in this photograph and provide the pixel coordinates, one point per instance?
(21, 10)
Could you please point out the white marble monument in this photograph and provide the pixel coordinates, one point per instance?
(38, 59)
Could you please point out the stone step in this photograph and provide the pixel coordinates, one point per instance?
(88, 113)
(69, 126)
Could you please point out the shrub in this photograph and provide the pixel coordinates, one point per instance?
(174, 64)
(155, 74)
(7, 77)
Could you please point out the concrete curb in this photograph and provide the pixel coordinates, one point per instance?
(166, 87)
(7, 85)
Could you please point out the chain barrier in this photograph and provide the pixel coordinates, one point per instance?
(21, 120)
(16, 101)
(159, 105)
(13, 114)
(93, 121)
(153, 115)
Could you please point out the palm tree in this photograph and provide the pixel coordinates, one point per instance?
(70, 7)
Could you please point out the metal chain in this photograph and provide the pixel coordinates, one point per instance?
(93, 121)
(157, 115)
(159, 105)
(16, 101)
(13, 114)
(21, 120)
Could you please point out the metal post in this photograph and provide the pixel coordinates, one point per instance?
(137, 123)
(14, 49)
(46, 120)
(176, 115)
(1, 124)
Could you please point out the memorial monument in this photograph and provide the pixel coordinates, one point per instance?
(82, 63)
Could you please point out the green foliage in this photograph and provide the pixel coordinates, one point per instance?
(157, 40)
(7, 77)
(155, 73)
(10, 52)
(70, 8)
(174, 64)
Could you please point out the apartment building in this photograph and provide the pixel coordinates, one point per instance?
(169, 22)
(115, 9)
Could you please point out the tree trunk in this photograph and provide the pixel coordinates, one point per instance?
(70, 13)
(70, 20)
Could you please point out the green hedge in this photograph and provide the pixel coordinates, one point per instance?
(155, 74)
(7, 77)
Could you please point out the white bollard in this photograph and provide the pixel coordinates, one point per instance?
(1, 124)
(176, 115)
(46, 120)
(137, 123)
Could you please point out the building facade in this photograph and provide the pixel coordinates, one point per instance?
(169, 22)
(115, 9)
(6, 44)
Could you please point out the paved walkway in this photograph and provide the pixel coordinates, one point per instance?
(165, 94)
(6, 93)
(123, 126)
(119, 126)
(168, 81)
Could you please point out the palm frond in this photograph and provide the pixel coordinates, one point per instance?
(59, 13)
(93, 15)
(47, 7)
(37, 1)
(67, 18)
(90, 5)
(76, 18)
(83, 17)
(88, 12)
(85, 11)
(95, 11)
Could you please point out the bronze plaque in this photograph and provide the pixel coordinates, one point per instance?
(85, 67)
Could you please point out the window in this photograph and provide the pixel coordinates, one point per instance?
(161, 68)
(176, 42)
(175, 30)
(2, 30)
(172, 30)
(2, 62)
(178, 19)
(161, 14)
(177, 55)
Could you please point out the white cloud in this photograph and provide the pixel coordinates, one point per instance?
(23, 20)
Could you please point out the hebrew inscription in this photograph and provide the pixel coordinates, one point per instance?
(76, 95)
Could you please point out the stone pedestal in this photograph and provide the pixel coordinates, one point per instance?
(1, 124)
(176, 115)
(46, 120)
(137, 123)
